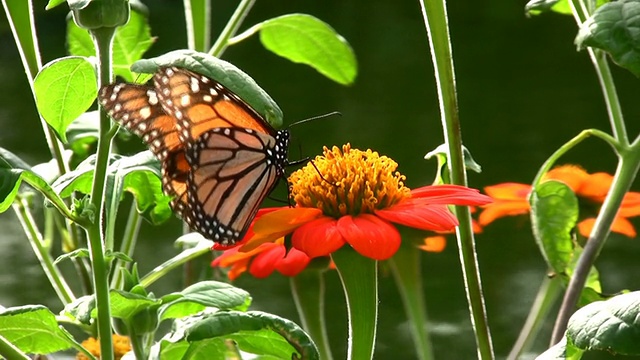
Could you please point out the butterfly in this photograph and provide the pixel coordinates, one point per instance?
(219, 158)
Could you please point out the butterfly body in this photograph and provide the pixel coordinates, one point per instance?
(219, 158)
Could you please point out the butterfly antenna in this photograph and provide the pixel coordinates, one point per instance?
(315, 118)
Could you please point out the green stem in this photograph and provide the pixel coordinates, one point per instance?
(359, 277)
(570, 145)
(308, 292)
(10, 351)
(198, 20)
(102, 38)
(625, 175)
(54, 275)
(129, 240)
(435, 18)
(231, 28)
(548, 293)
(203, 247)
(405, 266)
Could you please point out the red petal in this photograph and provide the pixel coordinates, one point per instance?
(451, 195)
(502, 208)
(420, 216)
(508, 191)
(433, 244)
(277, 224)
(318, 237)
(370, 236)
(293, 263)
(620, 225)
(264, 264)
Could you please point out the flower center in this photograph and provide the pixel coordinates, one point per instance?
(348, 181)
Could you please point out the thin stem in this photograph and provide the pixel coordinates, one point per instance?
(405, 266)
(622, 180)
(435, 17)
(548, 293)
(129, 240)
(308, 293)
(232, 27)
(198, 20)
(103, 38)
(52, 272)
(203, 247)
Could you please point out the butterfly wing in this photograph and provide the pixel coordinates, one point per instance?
(200, 104)
(232, 171)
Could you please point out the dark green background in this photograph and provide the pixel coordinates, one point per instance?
(523, 91)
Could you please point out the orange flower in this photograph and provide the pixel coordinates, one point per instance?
(512, 198)
(355, 201)
(121, 346)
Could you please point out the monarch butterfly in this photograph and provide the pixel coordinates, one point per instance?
(219, 157)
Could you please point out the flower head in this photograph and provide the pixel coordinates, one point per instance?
(512, 198)
(349, 196)
(121, 345)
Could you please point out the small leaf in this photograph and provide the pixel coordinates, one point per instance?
(614, 29)
(33, 329)
(554, 212)
(305, 39)
(125, 304)
(612, 325)
(110, 255)
(131, 41)
(83, 132)
(80, 309)
(78, 253)
(536, 7)
(561, 351)
(53, 3)
(254, 332)
(207, 294)
(65, 88)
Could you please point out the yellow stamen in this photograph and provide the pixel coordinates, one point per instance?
(355, 182)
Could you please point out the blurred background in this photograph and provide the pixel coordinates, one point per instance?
(523, 91)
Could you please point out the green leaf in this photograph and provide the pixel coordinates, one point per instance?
(204, 294)
(80, 309)
(78, 253)
(65, 88)
(536, 7)
(254, 332)
(614, 29)
(612, 325)
(33, 329)
(125, 305)
(83, 132)
(305, 39)
(554, 212)
(12, 172)
(561, 351)
(131, 41)
(221, 71)
(20, 15)
(54, 3)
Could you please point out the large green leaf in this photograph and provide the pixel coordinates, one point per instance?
(561, 351)
(221, 71)
(305, 39)
(33, 329)
(207, 294)
(554, 212)
(614, 29)
(612, 325)
(65, 88)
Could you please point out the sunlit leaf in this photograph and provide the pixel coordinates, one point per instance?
(561, 351)
(33, 329)
(207, 294)
(305, 39)
(614, 29)
(65, 88)
(554, 212)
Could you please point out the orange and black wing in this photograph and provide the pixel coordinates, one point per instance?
(232, 171)
(200, 104)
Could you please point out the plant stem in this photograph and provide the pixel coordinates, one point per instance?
(10, 351)
(307, 289)
(405, 266)
(198, 20)
(435, 18)
(359, 277)
(548, 293)
(231, 28)
(54, 275)
(103, 38)
(129, 240)
(203, 247)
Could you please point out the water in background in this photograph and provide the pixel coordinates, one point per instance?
(523, 91)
